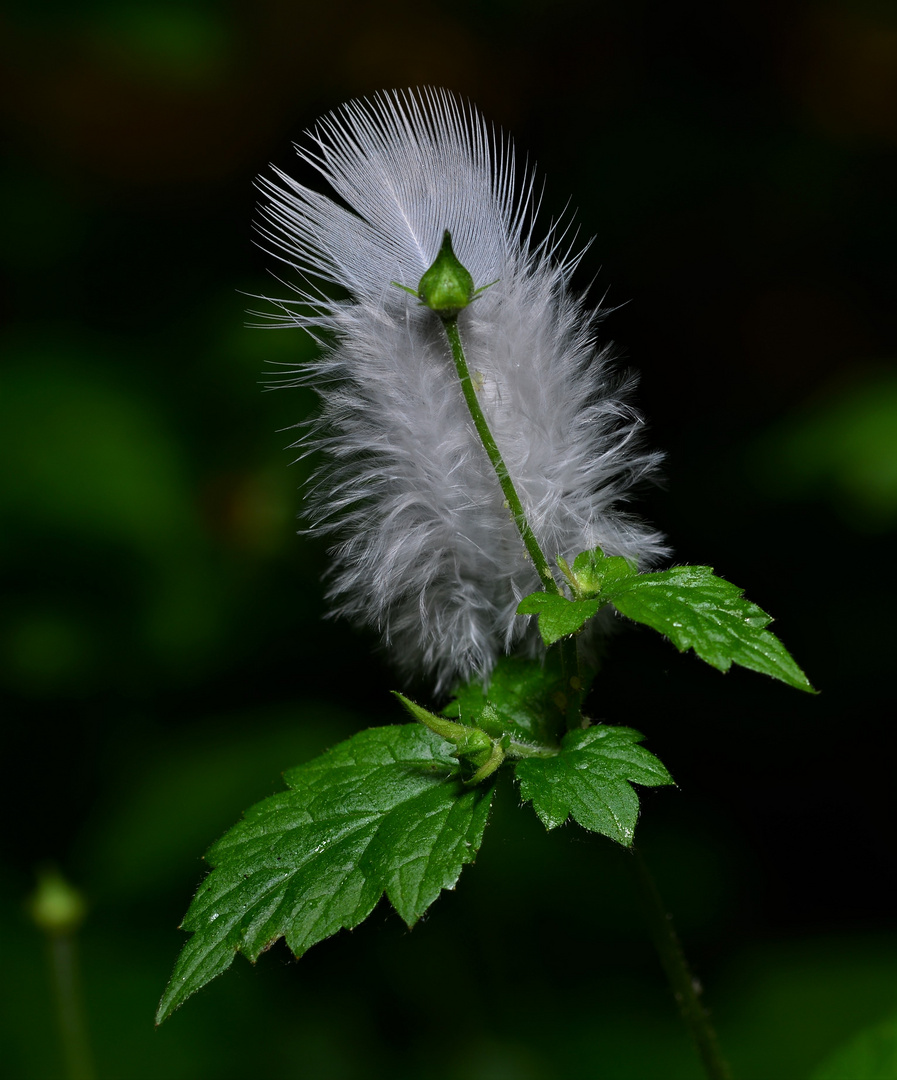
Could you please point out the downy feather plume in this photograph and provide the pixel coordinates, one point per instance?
(426, 549)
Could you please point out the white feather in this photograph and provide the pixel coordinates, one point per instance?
(425, 549)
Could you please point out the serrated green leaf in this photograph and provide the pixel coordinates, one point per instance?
(558, 616)
(520, 699)
(697, 610)
(382, 812)
(591, 780)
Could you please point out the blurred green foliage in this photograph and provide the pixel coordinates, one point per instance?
(840, 448)
(871, 1054)
(162, 651)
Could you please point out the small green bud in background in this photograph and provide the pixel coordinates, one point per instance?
(56, 906)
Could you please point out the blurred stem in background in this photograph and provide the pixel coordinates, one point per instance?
(686, 988)
(58, 909)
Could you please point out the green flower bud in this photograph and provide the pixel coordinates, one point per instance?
(472, 744)
(447, 286)
(593, 571)
(56, 906)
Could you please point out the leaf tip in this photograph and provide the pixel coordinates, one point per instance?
(167, 1005)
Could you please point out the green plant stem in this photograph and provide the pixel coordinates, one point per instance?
(572, 683)
(686, 989)
(63, 961)
(501, 470)
(569, 658)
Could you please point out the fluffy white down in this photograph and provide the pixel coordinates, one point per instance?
(425, 549)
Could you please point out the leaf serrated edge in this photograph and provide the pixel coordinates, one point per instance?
(581, 742)
(786, 668)
(222, 953)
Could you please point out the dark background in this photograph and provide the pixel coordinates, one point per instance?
(162, 651)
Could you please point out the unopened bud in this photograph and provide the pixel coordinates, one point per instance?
(56, 906)
(447, 286)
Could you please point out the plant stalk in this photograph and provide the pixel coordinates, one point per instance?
(569, 658)
(498, 463)
(686, 989)
(63, 961)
